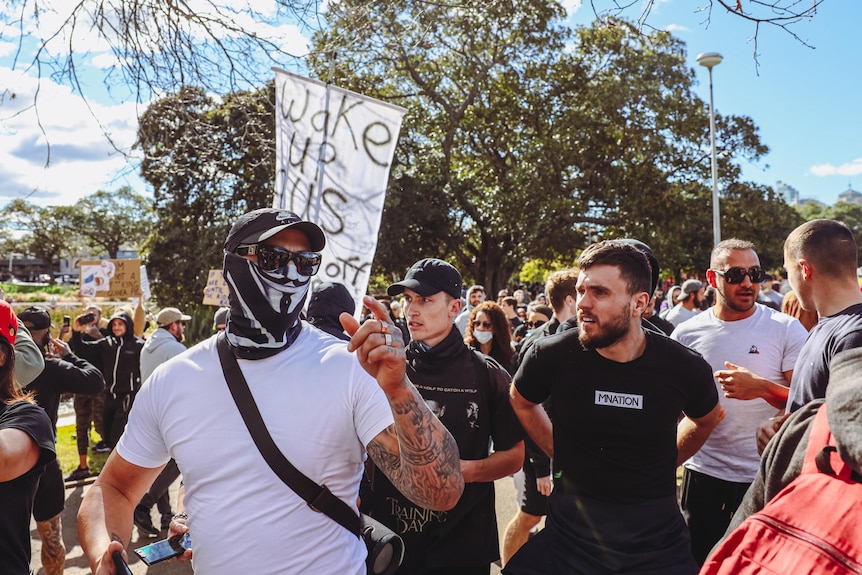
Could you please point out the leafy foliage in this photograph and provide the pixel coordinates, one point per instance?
(522, 139)
(103, 221)
(208, 162)
(108, 220)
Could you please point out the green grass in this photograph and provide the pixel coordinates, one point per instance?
(67, 451)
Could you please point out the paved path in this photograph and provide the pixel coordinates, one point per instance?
(76, 563)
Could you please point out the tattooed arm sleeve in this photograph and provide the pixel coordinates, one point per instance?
(418, 454)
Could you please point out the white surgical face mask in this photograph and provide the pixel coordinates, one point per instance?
(483, 336)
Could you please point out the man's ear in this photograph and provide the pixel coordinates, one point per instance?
(640, 302)
(454, 307)
(807, 269)
(710, 278)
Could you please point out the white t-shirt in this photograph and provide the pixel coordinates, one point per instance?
(679, 313)
(766, 343)
(321, 408)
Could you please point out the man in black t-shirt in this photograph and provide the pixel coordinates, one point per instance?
(468, 392)
(617, 392)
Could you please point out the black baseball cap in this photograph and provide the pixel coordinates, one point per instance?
(259, 225)
(36, 317)
(429, 276)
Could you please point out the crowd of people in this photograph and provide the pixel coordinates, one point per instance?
(590, 391)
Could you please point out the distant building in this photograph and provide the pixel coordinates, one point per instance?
(788, 193)
(850, 196)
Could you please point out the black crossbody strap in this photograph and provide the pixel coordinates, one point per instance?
(318, 497)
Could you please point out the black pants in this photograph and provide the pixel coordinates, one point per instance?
(158, 493)
(116, 416)
(708, 504)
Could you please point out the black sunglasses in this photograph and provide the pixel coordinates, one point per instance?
(272, 258)
(737, 275)
(534, 324)
(485, 324)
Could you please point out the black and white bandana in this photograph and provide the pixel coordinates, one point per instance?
(264, 307)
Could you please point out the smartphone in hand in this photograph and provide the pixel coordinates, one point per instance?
(119, 565)
(165, 549)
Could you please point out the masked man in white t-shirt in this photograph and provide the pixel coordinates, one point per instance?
(320, 402)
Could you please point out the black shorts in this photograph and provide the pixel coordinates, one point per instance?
(584, 536)
(51, 493)
(532, 502)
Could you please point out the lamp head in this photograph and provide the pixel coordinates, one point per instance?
(709, 59)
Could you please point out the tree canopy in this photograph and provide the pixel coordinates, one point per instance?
(102, 222)
(523, 141)
(158, 46)
(208, 161)
(522, 138)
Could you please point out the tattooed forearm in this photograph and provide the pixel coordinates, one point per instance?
(418, 454)
(53, 549)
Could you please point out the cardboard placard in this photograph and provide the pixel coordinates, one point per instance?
(216, 291)
(110, 278)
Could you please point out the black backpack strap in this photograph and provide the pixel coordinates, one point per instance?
(318, 497)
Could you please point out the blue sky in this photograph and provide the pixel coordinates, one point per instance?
(804, 100)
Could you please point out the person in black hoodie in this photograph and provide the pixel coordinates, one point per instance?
(121, 361)
(64, 373)
(328, 301)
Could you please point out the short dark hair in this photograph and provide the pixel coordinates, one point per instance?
(827, 244)
(510, 301)
(560, 284)
(633, 263)
(724, 247)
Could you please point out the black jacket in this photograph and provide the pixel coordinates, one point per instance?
(70, 374)
(121, 357)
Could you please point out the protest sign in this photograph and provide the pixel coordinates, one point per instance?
(334, 149)
(216, 291)
(110, 278)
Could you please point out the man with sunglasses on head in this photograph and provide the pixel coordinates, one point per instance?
(323, 411)
(752, 349)
(469, 393)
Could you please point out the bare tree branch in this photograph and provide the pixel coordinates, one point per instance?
(779, 13)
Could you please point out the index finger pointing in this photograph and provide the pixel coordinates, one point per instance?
(376, 307)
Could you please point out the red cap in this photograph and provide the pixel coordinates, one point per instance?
(8, 322)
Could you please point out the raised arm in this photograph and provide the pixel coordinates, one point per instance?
(417, 453)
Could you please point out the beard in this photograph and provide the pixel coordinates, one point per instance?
(610, 332)
(738, 307)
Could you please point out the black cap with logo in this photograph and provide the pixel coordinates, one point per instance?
(429, 276)
(259, 225)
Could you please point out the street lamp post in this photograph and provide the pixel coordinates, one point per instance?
(710, 59)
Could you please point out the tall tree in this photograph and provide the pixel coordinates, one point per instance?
(523, 138)
(49, 233)
(224, 45)
(107, 221)
(208, 161)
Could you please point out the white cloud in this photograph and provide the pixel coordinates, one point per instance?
(676, 28)
(572, 6)
(81, 161)
(852, 168)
